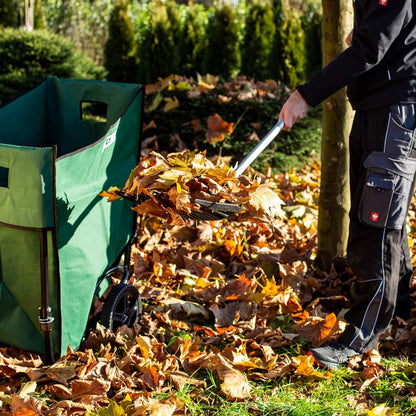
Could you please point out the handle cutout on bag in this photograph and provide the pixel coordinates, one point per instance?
(4, 177)
(95, 111)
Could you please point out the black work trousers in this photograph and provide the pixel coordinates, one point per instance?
(382, 171)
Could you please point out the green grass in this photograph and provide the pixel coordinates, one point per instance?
(301, 397)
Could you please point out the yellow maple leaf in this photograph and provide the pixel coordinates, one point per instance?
(171, 104)
(382, 410)
(305, 367)
(207, 82)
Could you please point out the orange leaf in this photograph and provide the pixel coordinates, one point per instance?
(318, 330)
(110, 194)
(150, 125)
(196, 125)
(217, 128)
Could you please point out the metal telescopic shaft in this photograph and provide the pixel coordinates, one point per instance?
(252, 156)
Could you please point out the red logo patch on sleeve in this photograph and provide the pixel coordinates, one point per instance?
(383, 2)
(374, 216)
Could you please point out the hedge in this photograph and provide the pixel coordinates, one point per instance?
(27, 57)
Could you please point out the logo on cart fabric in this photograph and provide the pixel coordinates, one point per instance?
(109, 140)
(383, 2)
(374, 216)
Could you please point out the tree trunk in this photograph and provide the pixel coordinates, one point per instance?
(29, 20)
(334, 200)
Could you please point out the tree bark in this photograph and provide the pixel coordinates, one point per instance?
(334, 200)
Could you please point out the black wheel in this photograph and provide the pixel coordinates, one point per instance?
(123, 306)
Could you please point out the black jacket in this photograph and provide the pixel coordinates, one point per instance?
(380, 65)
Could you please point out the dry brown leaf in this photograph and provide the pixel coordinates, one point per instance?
(62, 371)
(235, 384)
(196, 125)
(190, 356)
(28, 406)
(265, 203)
(153, 378)
(60, 391)
(82, 389)
(150, 125)
(180, 380)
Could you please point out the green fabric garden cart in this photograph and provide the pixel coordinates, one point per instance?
(59, 240)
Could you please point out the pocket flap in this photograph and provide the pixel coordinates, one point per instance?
(378, 181)
(403, 166)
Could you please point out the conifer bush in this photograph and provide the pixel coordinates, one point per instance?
(293, 51)
(258, 34)
(158, 54)
(222, 50)
(192, 40)
(8, 13)
(120, 48)
(27, 57)
(275, 62)
(312, 26)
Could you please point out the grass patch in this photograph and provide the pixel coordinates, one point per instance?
(396, 388)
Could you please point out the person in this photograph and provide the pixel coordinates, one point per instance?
(379, 69)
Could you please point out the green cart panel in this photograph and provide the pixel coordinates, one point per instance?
(54, 160)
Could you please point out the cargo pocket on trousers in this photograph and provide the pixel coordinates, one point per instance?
(387, 190)
(376, 199)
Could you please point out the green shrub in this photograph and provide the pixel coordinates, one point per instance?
(120, 48)
(222, 50)
(157, 52)
(174, 21)
(312, 26)
(27, 57)
(192, 40)
(287, 59)
(257, 42)
(293, 51)
(275, 62)
(38, 16)
(9, 15)
(261, 39)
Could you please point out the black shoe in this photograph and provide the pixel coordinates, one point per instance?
(333, 355)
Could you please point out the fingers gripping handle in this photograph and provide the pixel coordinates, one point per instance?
(252, 156)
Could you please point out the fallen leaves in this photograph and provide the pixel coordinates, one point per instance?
(217, 129)
(173, 184)
(236, 300)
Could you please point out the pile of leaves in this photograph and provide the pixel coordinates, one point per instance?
(237, 300)
(172, 186)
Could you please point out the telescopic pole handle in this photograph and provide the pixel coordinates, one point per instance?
(267, 139)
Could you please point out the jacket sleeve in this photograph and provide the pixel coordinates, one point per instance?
(377, 30)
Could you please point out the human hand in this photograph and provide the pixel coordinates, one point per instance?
(294, 109)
